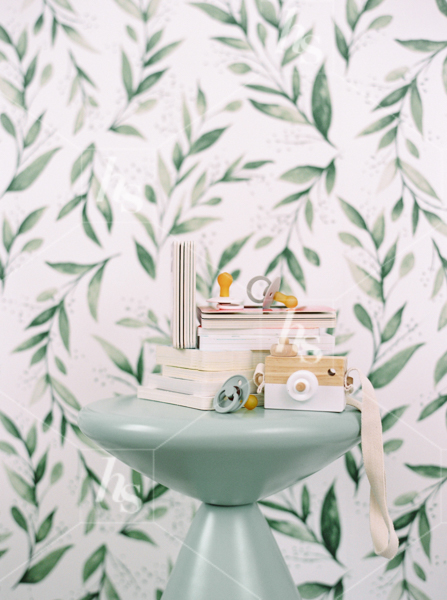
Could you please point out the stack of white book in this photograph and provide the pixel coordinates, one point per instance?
(307, 341)
(192, 377)
(252, 328)
(254, 317)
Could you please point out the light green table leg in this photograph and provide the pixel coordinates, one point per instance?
(230, 554)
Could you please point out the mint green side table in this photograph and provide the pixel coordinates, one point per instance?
(229, 461)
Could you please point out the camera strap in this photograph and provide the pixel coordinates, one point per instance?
(383, 535)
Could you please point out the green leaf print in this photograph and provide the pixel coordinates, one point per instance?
(231, 252)
(295, 530)
(341, 42)
(321, 103)
(418, 179)
(82, 162)
(424, 531)
(393, 325)
(40, 570)
(294, 267)
(313, 589)
(19, 518)
(233, 42)
(215, 12)
(191, 225)
(93, 562)
(440, 368)
(302, 174)
(353, 214)
(366, 282)
(162, 53)
(392, 417)
(11, 93)
(206, 140)
(94, 287)
(279, 112)
(432, 407)
(115, 356)
(28, 176)
(330, 522)
(383, 375)
(431, 471)
(138, 534)
(127, 74)
(24, 489)
(422, 45)
(363, 317)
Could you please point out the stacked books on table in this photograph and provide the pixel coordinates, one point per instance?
(254, 317)
(192, 377)
(252, 328)
(231, 341)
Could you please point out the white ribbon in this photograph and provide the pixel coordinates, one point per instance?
(385, 540)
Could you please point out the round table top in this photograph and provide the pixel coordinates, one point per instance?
(232, 458)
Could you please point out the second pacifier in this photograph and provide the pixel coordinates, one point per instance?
(270, 294)
(252, 282)
(224, 300)
(232, 395)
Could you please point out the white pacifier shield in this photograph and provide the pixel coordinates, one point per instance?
(308, 381)
(224, 300)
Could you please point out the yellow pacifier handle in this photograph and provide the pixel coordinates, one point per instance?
(224, 280)
(289, 301)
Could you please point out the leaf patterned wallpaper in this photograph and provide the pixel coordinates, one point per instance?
(302, 139)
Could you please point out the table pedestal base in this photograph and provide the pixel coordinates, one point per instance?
(230, 554)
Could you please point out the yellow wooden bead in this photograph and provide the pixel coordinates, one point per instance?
(252, 402)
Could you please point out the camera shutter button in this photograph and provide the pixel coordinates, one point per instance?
(302, 385)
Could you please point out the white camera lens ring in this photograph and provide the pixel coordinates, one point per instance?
(250, 287)
(302, 385)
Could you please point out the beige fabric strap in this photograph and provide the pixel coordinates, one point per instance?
(384, 537)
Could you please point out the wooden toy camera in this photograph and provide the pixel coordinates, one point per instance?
(304, 382)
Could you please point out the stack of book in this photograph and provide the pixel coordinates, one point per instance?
(192, 377)
(252, 328)
(231, 341)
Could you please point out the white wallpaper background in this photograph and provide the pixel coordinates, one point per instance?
(127, 123)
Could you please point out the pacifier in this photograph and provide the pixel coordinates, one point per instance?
(232, 395)
(224, 301)
(270, 294)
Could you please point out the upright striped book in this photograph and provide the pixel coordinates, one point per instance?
(183, 322)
